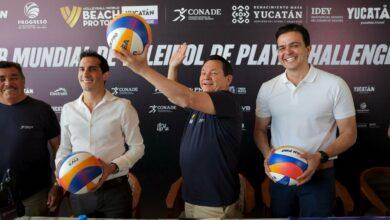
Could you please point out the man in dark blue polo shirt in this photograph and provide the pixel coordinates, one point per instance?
(27, 125)
(210, 144)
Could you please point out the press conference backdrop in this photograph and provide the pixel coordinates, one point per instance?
(349, 38)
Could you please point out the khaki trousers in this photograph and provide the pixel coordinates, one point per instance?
(196, 211)
(35, 205)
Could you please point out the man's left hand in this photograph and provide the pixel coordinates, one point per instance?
(108, 169)
(313, 161)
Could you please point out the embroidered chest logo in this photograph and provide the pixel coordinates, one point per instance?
(192, 119)
(26, 127)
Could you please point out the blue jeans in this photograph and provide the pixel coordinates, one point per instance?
(313, 199)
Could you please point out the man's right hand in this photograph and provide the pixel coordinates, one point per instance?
(136, 62)
(266, 167)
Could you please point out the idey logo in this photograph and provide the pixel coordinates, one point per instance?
(71, 16)
(181, 16)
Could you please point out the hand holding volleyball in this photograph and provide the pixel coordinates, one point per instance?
(286, 165)
(313, 161)
(266, 167)
(137, 63)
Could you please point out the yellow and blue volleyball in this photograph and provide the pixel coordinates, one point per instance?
(286, 165)
(128, 31)
(79, 172)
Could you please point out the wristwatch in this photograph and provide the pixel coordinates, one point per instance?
(116, 168)
(324, 156)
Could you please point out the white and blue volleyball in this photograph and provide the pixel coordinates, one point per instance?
(128, 31)
(79, 172)
(286, 165)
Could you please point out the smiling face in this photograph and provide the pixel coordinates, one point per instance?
(11, 85)
(212, 77)
(292, 52)
(91, 77)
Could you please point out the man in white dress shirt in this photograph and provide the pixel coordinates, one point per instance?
(101, 124)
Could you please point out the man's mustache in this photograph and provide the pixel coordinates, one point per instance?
(8, 88)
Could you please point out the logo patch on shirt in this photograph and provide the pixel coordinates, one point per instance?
(162, 127)
(192, 119)
(201, 120)
(26, 127)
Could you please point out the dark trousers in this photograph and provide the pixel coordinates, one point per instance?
(112, 200)
(313, 199)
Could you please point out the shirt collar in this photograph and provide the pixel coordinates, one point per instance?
(108, 96)
(309, 78)
(284, 77)
(311, 75)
